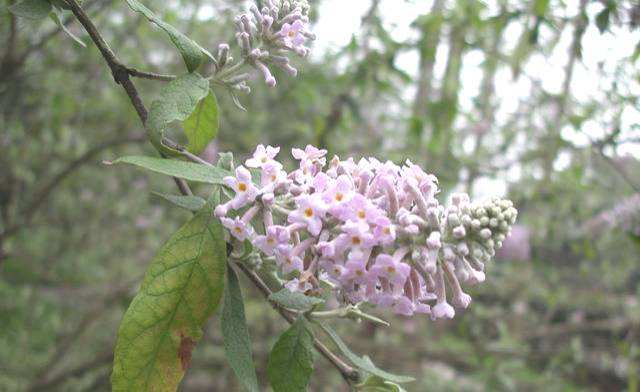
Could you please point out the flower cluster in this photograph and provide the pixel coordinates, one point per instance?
(374, 231)
(266, 37)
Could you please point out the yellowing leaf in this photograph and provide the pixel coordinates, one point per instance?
(181, 289)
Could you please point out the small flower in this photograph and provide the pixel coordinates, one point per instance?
(356, 234)
(396, 272)
(272, 176)
(246, 192)
(276, 235)
(292, 34)
(384, 231)
(263, 156)
(356, 271)
(310, 212)
(310, 153)
(337, 194)
(237, 228)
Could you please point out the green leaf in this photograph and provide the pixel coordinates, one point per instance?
(191, 52)
(178, 99)
(191, 203)
(294, 300)
(31, 9)
(55, 16)
(378, 384)
(202, 125)
(291, 360)
(362, 363)
(237, 342)
(171, 167)
(181, 289)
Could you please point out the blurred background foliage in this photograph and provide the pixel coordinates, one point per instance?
(560, 309)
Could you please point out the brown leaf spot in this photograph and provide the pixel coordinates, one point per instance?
(184, 351)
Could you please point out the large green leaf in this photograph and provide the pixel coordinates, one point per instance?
(237, 342)
(191, 52)
(171, 167)
(291, 360)
(294, 300)
(202, 125)
(31, 9)
(363, 363)
(181, 289)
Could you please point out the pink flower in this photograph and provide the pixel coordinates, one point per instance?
(356, 271)
(337, 194)
(275, 236)
(292, 34)
(272, 176)
(356, 234)
(263, 156)
(360, 208)
(237, 228)
(246, 192)
(288, 260)
(395, 271)
(310, 212)
(384, 230)
(310, 153)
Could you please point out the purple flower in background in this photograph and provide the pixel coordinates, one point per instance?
(517, 246)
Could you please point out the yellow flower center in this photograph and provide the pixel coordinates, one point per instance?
(356, 240)
(308, 212)
(391, 269)
(361, 214)
(339, 196)
(242, 187)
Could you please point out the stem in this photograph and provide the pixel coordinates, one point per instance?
(348, 373)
